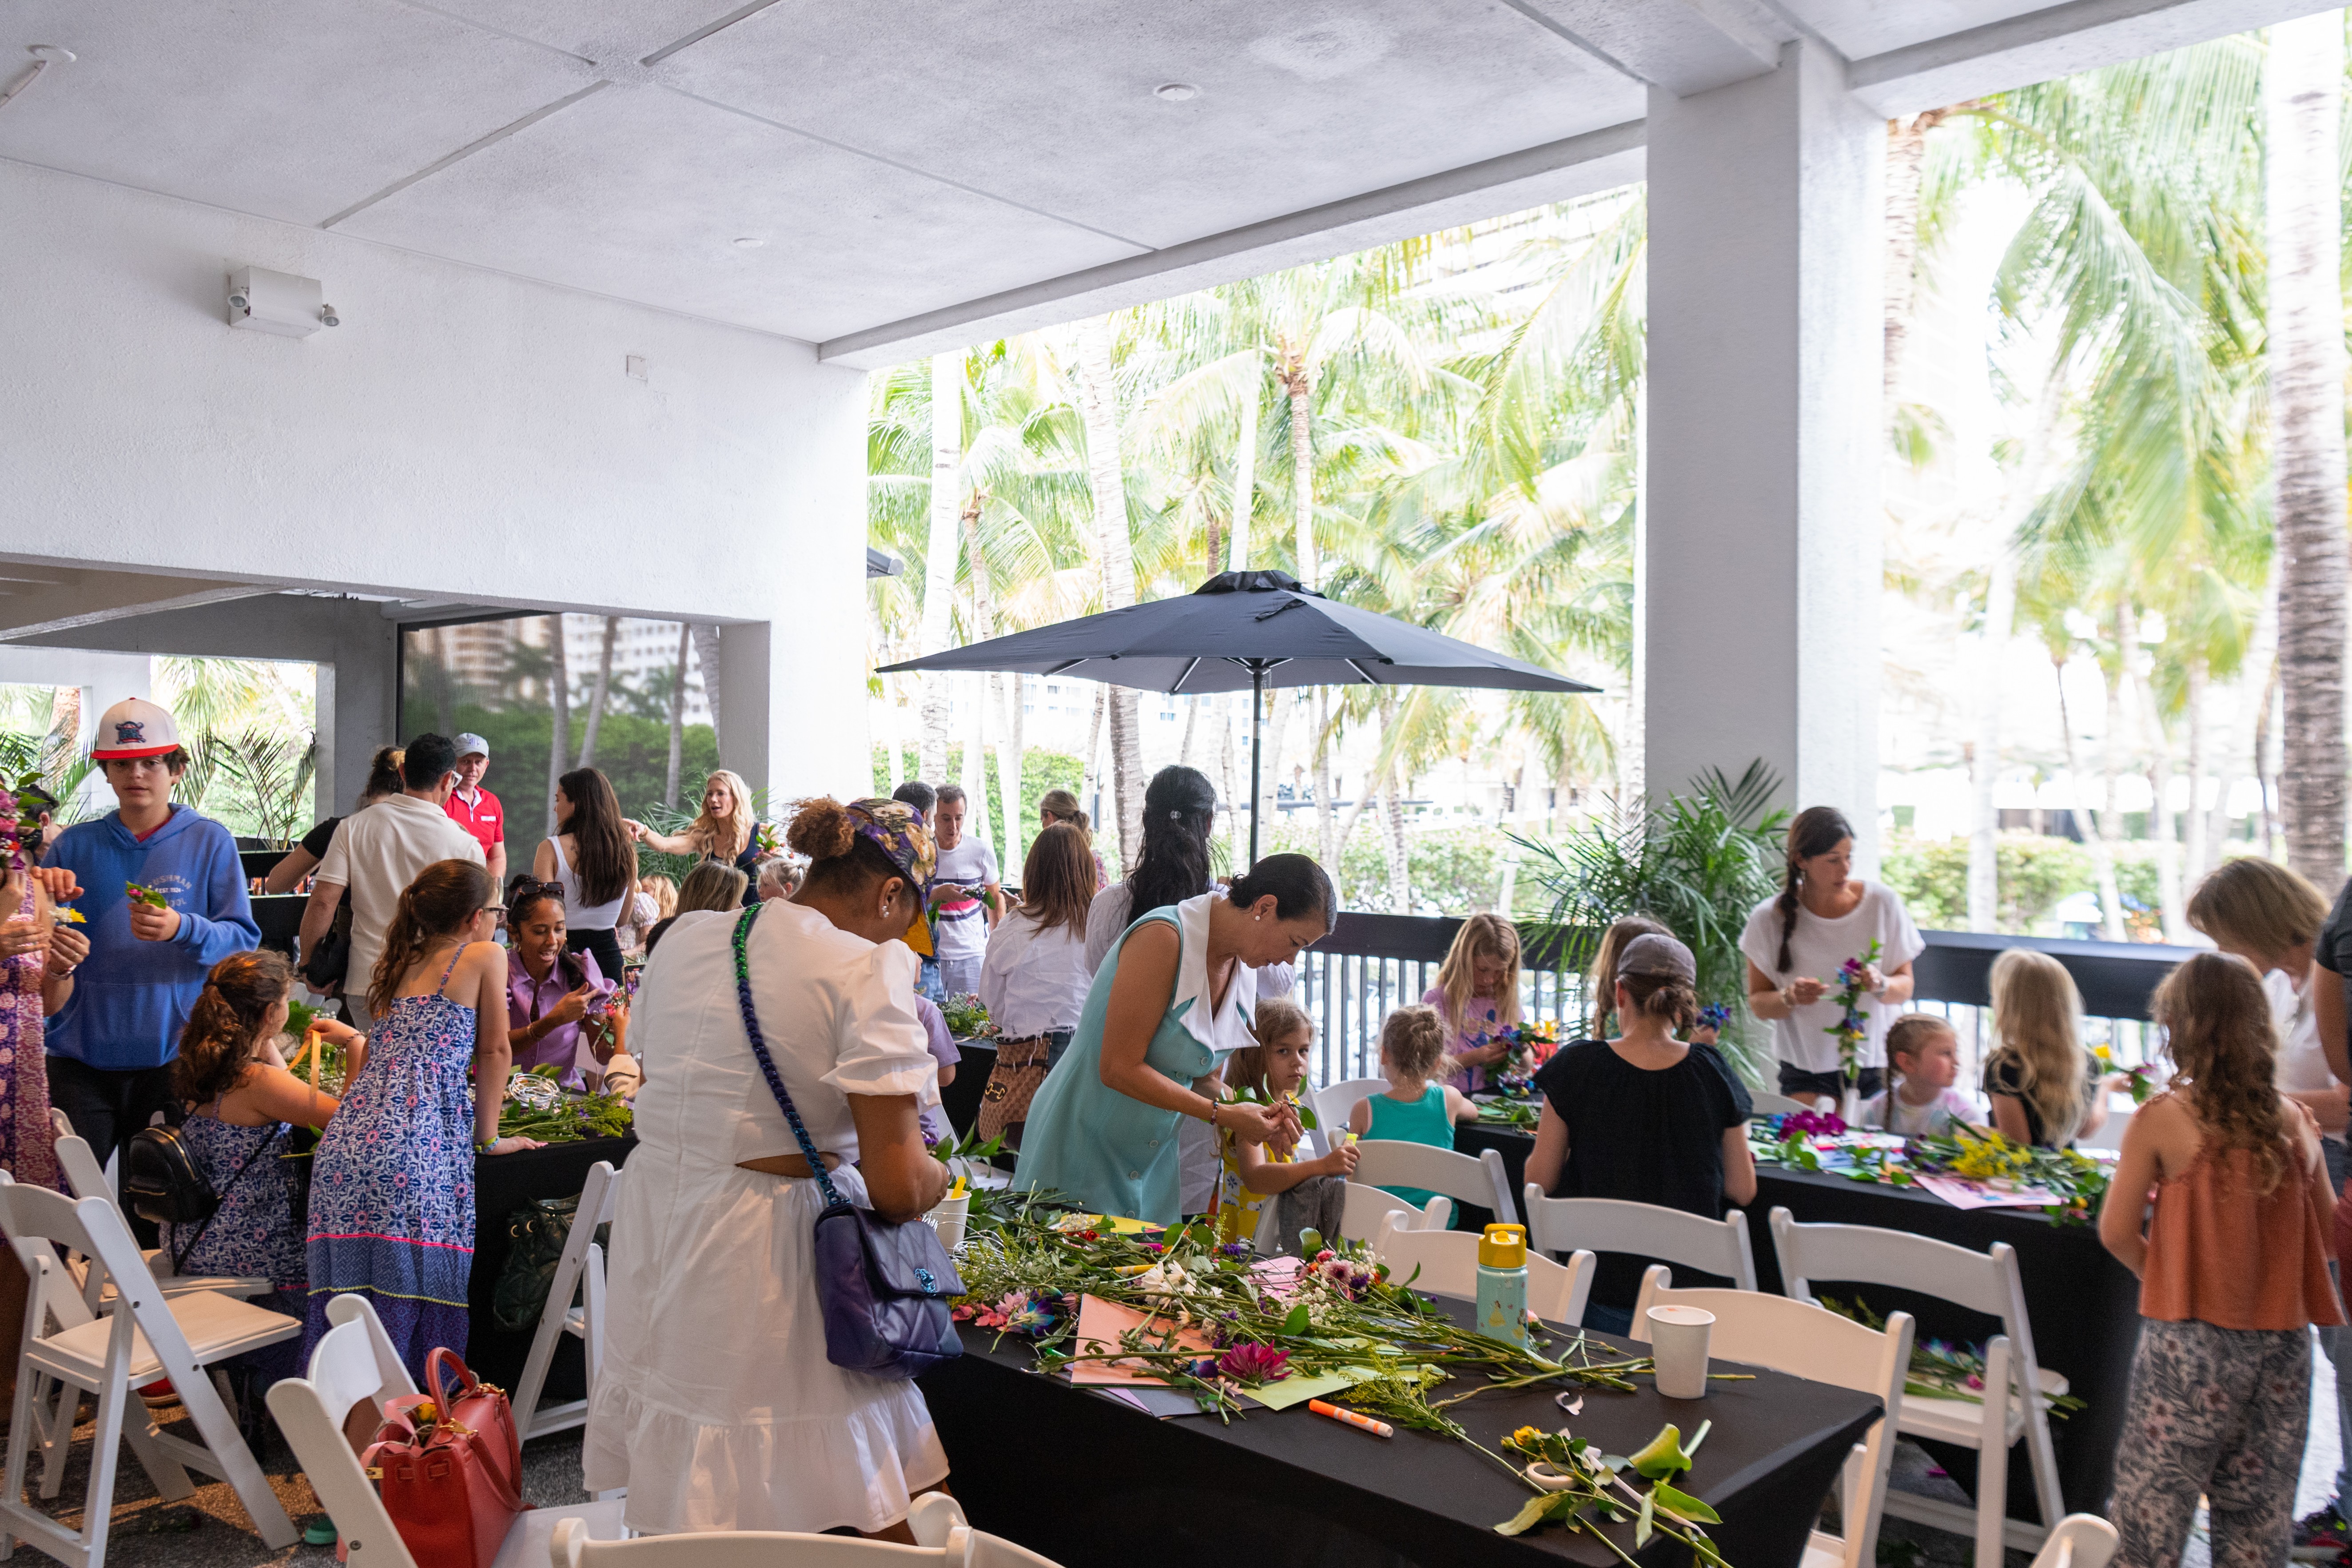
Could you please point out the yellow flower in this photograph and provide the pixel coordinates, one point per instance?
(1525, 1437)
(2103, 1053)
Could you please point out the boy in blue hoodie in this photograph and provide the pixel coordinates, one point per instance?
(110, 1047)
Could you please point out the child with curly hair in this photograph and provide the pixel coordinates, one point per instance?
(2233, 1274)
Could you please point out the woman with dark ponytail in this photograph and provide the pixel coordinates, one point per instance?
(1173, 998)
(1796, 945)
(392, 1189)
(241, 1104)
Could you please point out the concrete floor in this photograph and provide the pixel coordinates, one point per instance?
(211, 1528)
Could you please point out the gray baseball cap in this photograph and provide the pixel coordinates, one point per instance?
(1659, 958)
(468, 744)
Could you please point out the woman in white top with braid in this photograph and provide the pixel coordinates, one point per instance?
(717, 1406)
(1796, 943)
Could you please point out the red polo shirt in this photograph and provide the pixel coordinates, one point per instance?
(485, 819)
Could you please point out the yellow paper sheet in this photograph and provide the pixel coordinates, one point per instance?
(1295, 1390)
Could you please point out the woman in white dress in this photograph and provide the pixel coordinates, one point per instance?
(717, 1407)
(1795, 945)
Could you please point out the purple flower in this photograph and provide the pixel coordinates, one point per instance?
(1236, 1249)
(1254, 1363)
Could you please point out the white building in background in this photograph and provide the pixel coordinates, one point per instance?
(642, 650)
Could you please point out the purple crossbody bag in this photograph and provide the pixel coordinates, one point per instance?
(884, 1288)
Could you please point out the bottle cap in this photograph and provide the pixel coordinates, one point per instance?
(1503, 1246)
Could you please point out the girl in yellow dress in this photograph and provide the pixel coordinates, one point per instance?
(1276, 1066)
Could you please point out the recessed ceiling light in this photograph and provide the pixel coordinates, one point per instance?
(1175, 92)
(750, 242)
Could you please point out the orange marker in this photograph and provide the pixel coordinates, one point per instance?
(1377, 1428)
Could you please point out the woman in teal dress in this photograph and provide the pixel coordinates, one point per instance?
(1171, 1000)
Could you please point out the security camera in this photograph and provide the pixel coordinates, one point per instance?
(327, 315)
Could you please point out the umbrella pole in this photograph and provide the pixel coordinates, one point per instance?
(1258, 725)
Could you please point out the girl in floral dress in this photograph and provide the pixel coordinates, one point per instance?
(39, 952)
(241, 1102)
(392, 1194)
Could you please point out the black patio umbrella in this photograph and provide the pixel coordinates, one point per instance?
(1247, 631)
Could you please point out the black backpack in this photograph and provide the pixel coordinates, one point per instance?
(164, 1183)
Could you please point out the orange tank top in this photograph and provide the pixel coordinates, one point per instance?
(2220, 1251)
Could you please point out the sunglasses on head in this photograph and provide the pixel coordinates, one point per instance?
(536, 890)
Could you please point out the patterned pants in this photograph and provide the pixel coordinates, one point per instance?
(2219, 1412)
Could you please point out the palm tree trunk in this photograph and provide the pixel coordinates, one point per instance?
(1907, 155)
(602, 691)
(2266, 775)
(2111, 820)
(558, 702)
(940, 557)
(677, 717)
(1089, 772)
(1277, 729)
(1298, 381)
(708, 657)
(1008, 775)
(1098, 409)
(1191, 725)
(1400, 861)
(973, 774)
(62, 747)
(2086, 828)
(2164, 829)
(1327, 837)
(2193, 855)
(1234, 831)
(2303, 88)
(1364, 790)
(1237, 544)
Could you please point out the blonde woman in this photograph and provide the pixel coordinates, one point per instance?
(1477, 993)
(2046, 1089)
(2259, 910)
(722, 831)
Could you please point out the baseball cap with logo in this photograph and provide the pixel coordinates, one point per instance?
(134, 727)
(469, 744)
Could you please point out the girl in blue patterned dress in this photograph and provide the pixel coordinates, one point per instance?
(240, 1102)
(392, 1195)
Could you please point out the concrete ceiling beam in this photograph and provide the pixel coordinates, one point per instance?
(93, 598)
(1558, 171)
(2060, 40)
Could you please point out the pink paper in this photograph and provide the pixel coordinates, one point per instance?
(1279, 1277)
(1100, 1324)
(1963, 1194)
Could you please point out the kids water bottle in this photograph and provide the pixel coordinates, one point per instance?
(1503, 1283)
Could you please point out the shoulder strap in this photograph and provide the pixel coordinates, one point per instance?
(767, 1063)
(180, 1252)
(451, 969)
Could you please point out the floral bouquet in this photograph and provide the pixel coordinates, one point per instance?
(967, 1019)
(1852, 1029)
(1528, 1046)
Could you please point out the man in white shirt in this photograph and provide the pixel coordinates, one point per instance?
(965, 864)
(378, 852)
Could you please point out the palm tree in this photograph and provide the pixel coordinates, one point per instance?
(676, 715)
(939, 554)
(599, 693)
(1097, 399)
(2304, 89)
(558, 703)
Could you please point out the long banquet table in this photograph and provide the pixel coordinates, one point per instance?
(1084, 1477)
(2084, 1306)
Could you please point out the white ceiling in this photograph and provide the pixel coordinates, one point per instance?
(901, 159)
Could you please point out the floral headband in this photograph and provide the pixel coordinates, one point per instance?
(899, 833)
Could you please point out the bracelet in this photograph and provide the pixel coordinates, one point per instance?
(483, 1147)
(1211, 1117)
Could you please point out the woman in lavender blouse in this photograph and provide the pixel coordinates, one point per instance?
(551, 993)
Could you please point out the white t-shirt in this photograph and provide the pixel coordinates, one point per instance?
(1035, 981)
(376, 853)
(1818, 947)
(963, 924)
(2301, 1063)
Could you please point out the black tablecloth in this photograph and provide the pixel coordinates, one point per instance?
(2084, 1306)
(1086, 1479)
(503, 1183)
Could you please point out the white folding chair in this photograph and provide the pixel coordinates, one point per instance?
(1334, 1105)
(1480, 1180)
(943, 1540)
(1766, 1104)
(580, 1268)
(353, 1364)
(1369, 1208)
(2081, 1541)
(1983, 1282)
(1447, 1265)
(88, 1181)
(140, 1337)
(1806, 1340)
(1716, 1246)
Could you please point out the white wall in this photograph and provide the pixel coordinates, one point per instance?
(461, 432)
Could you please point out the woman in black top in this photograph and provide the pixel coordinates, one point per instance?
(1645, 1117)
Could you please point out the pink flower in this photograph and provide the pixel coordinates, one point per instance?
(1253, 1364)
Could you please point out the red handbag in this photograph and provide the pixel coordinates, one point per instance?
(450, 1467)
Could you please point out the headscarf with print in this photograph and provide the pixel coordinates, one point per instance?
(899, 833)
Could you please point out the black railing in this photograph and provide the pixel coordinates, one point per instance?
(1371, 964)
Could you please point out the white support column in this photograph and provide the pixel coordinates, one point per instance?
(1762, 549)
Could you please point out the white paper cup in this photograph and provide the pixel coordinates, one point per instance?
(1678, 1337)
(948, 1218)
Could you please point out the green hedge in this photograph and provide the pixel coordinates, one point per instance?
(1040, 771)
(2035, 876)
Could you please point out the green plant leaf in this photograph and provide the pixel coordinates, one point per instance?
(1297, 1321)
(1663, 1456)
(1684, 1504)
(1644, 1523)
